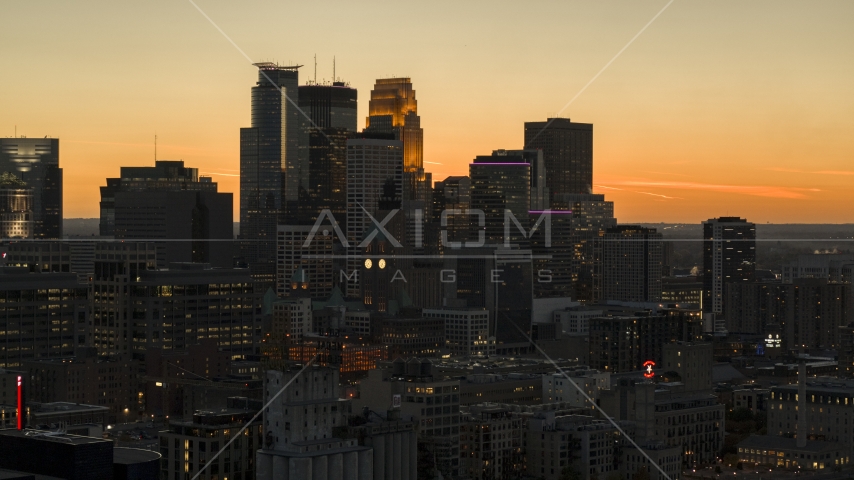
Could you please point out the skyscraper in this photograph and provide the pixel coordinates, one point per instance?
(332, 110)
(36, 162)
(171, 202)
(16, 207)
(393, 109)
(632, 256)
(373, 167)
(500, 182)
(568, 154)
(273, 164)
(729, 255)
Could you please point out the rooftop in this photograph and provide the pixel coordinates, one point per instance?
(783, 443)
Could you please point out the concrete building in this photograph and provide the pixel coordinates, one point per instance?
(682, 291)
(86, 378)
(753, 399)
(299, 442)
(554, 445)
(632, 257)
(292, 320)
(729, 256)
(432, 402)
(692, 421)
(806, 313)
(786, 453)
(501, 186)
(136, 308)
(466, 330)
(16, 207)
(45, 315)
(556, 387)
(623, 343)
(170, 202)
(416, 336)
(374, 170)
(691, 362)
(516, 388)
(576, 320)
(567, 153)
(35, 161)
(491, 443)
(70, 415)
(825, 266)
(393, 442)
(189, 446)
(828, 405)
(299, 248)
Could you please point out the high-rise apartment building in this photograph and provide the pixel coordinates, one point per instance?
(35, 161)
(632, 256)
(330, 106)
(273, 164)
(171, 202)
(729, 255)
(16, 207)
(568, 155)
(44, 315)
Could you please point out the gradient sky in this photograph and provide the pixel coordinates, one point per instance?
(718, 108)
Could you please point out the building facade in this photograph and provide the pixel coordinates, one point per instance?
(35, 161)
(729, 256)
(632, 264)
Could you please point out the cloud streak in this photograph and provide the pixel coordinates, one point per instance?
(636, 191)
(752, 190)
(814, 172)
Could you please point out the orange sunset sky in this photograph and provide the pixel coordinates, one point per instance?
(717, 108)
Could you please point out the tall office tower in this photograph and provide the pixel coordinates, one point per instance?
(171, 202)
(500, 183)
(332, 110)
(36, 162)
(568, 155)
(632, 257)
(300, 250)
(451, 202)
(329, 106)
(729, 255)
(393, 109)
(300, 427)
(273, 165)
(16, 207)
(44, 315)
(373, 166)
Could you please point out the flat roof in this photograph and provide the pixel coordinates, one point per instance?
(45, 435)
(783, 443)
(129, 456)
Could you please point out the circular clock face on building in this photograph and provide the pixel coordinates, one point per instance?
(368, 263)
(382, 263)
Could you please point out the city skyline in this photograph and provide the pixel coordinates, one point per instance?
(724, 110)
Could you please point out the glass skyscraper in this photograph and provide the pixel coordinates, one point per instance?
(36, 162)
(273, 164)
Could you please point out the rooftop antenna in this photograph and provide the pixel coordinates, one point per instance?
(155, 148)
(315, 69)
(334, 78)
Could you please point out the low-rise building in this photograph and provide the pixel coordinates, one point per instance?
(784, 452)
(557, 388)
